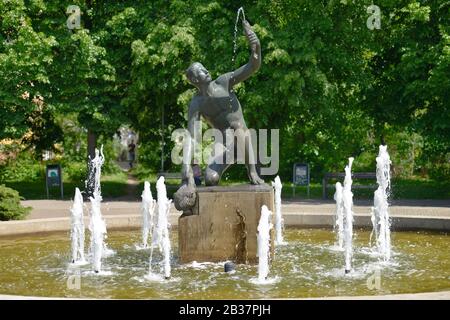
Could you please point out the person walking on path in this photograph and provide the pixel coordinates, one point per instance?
(131, 153)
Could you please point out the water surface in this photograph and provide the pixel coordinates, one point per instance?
(308, 266)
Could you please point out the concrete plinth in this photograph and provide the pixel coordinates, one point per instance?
(224, 224)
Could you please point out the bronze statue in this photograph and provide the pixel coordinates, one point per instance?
(219, 106)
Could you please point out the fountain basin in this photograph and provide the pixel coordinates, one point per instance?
(307, 267)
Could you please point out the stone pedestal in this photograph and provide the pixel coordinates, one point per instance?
(224, 224)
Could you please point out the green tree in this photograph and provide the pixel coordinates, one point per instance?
(25, 57)
(332, 86)
(308, 86)
(411, 67)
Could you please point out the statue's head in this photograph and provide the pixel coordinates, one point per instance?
(197, 74)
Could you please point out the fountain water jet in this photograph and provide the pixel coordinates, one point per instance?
(160, 235)
(348, 215)
(278, 217)
(97, 225)
(148, 209)
(240, 10)
(77, 230)
(339, 222)
(380, 210)
(263, 238)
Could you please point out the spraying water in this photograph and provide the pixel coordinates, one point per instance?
(339, 219)
(278, 217)
(97, 225)
(348, 215)
(233, 58)
(148, 209)
(77, 230)
(263, 238)
(240, 10)
(160, 236)
(380, 210)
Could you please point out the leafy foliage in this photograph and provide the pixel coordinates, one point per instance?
(333, 87)
(10, 207)
(25, 58)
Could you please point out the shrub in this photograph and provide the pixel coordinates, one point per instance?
(73, 171)
(10, 207)
(439, 171)
(23, 168)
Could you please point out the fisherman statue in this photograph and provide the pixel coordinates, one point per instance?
(217, 103)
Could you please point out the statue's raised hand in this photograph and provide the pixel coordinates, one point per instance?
(251, 35)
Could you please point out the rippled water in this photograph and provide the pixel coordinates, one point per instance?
(308, 266)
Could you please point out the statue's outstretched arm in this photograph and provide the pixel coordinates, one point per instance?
(194, 119)
(253, 64)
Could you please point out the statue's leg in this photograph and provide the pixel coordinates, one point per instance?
(244, 141)
(216, 168)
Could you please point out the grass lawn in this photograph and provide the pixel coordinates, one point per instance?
(112, 186)
(115, 185)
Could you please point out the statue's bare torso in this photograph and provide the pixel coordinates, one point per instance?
(221, 108)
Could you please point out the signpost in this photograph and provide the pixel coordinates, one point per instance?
(300, 177)
(53, 178)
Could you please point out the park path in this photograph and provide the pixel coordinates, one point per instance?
(131, 193)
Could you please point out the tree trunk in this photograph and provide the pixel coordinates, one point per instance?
(383, 142)
(90, 176)
(91, 144)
